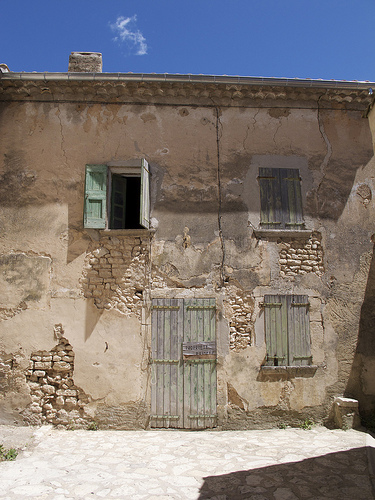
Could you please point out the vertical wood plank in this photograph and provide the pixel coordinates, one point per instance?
(187, 367)
(154, 336)
(166, 366)
(211, 407)
(199, 314)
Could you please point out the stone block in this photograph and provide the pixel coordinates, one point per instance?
(39, 373)
(43, 365)
(61, 366)
(92, 273)
(66, 392)
(96, 280)
(345, 413)
(115, 253)
(35, 408)
(71, 401)
(294, 262)
(100, 252)
(48, 389)
(115, 260)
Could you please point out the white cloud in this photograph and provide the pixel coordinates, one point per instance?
(128, 33)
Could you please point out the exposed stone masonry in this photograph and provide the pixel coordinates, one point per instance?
(302, 257)
(115, 273)
(55, 397)
(239, 308)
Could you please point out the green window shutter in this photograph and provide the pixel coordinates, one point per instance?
(270, 198)
(95, 196)
(276, 330)
(299, 330)
(280, 198)
(291, 198)
(118, 202)
(144, 215)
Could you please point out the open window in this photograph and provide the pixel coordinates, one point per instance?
(117, 196)
(287, 330)
(280, 199)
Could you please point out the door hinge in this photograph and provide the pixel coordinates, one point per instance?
(201, 307)
(165, 307)
(203, 416)
(171, 417)
(164, 361)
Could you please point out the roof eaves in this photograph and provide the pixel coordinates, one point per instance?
(174, 78)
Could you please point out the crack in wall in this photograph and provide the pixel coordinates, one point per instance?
(328, 154)
(246, 137)
(62, 136)
(219, 128)
(255, 119)
(277, 129)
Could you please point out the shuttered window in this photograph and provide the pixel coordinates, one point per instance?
(280, 198)
(287, 330)
(116, 199)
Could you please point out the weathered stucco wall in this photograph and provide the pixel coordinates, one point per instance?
(204, 159)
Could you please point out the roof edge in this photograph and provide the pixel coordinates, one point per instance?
(176, 78)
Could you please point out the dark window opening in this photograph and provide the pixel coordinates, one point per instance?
(125, 202)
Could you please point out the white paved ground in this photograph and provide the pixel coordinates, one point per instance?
(164, 464)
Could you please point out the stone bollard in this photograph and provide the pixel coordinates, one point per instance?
(345, 413)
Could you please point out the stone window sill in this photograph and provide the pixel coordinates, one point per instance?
(283, 233)
(283, 372)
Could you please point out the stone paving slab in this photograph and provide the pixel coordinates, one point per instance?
(167, 465)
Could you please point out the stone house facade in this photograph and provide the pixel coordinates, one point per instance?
(184, 251)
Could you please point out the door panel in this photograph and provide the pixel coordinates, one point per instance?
(183, 391)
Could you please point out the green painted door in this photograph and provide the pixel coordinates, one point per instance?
(183, 364)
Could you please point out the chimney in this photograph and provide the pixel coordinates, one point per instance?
(85, 62)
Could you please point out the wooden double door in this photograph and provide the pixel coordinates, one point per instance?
(183, 363)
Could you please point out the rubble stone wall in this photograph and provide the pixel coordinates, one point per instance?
(115, 273)
(55, 397)
(302, 256)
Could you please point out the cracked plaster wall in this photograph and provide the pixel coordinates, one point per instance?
(204, 163)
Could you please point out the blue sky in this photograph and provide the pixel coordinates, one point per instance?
(328, 39)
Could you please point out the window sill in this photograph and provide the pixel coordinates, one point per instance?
(126, 232)
(283, 233)
(283, 372)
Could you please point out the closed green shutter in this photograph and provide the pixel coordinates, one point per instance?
(270, 198)
(299, 330)
(144, 216)
(287, 330)
(95, 196)
(292, 199)
(276, 329)
(280, 198)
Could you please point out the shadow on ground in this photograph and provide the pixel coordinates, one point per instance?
(343, 475)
